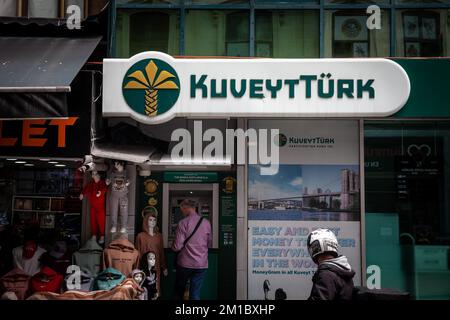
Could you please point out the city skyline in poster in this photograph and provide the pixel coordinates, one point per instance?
(305, 192)
(317, 186)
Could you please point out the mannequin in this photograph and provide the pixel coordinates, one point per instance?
(150, 239)
(118, 199)
(139, 277)
(95, 192)
(151, 279)
(27, 257)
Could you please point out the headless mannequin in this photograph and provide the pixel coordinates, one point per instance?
(118, 200)
(96, 192)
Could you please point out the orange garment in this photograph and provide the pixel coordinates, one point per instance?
(16, 281)
(121, 255)
(127, 290)
(145, 243)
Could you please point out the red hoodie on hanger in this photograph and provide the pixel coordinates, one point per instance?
(47, 280)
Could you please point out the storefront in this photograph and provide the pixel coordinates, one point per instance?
(47, 89)
(360, 142)
(41, 152)
(158, 184)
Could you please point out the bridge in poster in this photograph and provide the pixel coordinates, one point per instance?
(319, 198)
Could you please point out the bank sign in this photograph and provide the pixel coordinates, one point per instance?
(152, 87)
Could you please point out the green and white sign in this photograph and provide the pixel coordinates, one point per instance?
(153, 87)
(190, 177)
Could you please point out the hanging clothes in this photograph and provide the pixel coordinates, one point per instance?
(96, 194)
(58, 259)
(127, 290)
(108, 279)
(27, 257)
(16, 281)
(89, 257)
(145, 243)
(47, 280)
(121, 255)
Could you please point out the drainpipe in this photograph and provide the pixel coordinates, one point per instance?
(97, 127)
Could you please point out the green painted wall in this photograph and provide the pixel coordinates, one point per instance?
(430, 88)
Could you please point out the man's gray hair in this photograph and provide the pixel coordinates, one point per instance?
(188, 203)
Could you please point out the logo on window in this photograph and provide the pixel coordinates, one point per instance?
(280, 140)
(151, 87)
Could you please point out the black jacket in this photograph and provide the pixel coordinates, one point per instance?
(333, 280)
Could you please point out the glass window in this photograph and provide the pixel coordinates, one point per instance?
(79, 3)
(423, 33)
(95, 6)
(139, 31)
(217, 33)
(43, 8)
(353, 1)
(119, 2)
(347, 35)
(8, 8)
(407, 190)
(214, 1)
(287, 1)
(428, 1)
(287, 34)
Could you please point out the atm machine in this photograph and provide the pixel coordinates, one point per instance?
(206, 196)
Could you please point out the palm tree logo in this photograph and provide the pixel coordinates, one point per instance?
(157, 80)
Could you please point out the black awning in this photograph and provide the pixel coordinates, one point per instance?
(35, 74)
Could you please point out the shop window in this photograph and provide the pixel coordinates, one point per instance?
(217, 33)
(423, 33)
(45, 200)
(43, 8)
(407, 191)
(347, 35)
(139, 31)
(287, 34)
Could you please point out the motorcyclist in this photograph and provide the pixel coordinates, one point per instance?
(333, 279)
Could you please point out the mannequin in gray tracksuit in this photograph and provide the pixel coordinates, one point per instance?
(118, 196)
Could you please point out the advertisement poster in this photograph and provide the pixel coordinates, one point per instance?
(317, 186)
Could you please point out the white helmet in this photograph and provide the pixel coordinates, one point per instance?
(322, 241)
